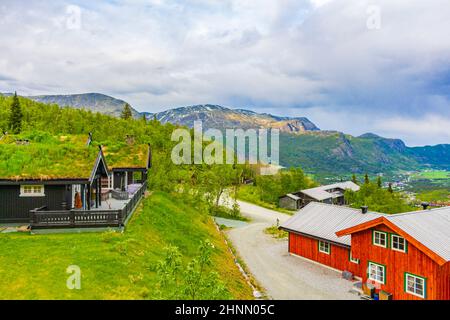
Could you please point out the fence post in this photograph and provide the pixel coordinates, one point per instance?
(72, 218)
(119, 217)
(32, 216)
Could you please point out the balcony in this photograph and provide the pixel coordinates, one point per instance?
(113, 212)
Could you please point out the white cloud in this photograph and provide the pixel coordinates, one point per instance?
(284, 55)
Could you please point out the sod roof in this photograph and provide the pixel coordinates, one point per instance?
(45, 157)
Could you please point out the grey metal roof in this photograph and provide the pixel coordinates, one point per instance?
(324, 220)
(429, 227)
(322, 193)
(292, 196)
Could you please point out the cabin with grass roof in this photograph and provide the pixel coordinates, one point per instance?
(68, 181)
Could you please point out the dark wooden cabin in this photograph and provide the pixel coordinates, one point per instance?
(67, 182)
(19, 196)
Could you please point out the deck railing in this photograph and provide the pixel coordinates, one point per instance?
(42, 218)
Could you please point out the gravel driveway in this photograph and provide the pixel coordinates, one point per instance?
(282, 275)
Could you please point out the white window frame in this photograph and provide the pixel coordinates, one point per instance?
(32, 190)
(415, 278)
(399, 238)
(376, 265)
(353, 260)
(325, 244)
(375, 232)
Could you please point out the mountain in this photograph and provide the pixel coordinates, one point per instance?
(336, 152)
(302, 143)
(95, 102)
(214, 116)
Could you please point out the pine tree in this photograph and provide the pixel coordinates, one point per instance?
(144, 118)
(366, 179)
(126, 112)
(354, 180)
(15, 117)
(379, 182)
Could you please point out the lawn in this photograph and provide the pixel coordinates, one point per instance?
(114, 265)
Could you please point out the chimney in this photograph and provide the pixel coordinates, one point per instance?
(425, 205)
(364, 209)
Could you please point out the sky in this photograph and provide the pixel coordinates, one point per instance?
(355, 66)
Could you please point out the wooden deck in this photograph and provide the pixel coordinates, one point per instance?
(111, 214)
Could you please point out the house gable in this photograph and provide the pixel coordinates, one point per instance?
(382, 221)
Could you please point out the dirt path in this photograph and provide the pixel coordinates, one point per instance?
(282, 275)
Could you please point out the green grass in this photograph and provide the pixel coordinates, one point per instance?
(113, 265)
(276, 233)
(431, 175)
(434, 196)
(250, 194)
(63, 156)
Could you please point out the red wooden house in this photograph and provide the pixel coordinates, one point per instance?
(406, 255)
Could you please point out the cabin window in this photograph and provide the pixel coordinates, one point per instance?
(324, 247)
(377, 272)
(380, 239)
(398, 243)
(350, 257)
(415, 285)
(32, 191)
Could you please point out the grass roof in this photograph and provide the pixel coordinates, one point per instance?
(124, 155)
(47, 157)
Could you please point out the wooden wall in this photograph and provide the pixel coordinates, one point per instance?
(397, 263)
(309, 248)
(14, 208)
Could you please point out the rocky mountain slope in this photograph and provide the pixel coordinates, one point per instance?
(214, 116)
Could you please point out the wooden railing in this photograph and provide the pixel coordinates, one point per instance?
(130, 206)
(41, 218)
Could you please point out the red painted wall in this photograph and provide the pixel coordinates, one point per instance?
(397, 263)
(309, 248)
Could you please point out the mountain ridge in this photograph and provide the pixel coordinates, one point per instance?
(303, 143)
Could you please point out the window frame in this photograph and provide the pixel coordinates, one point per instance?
(408, 274)
(405, 249)
(377, 265)
(24, 193)
(351, 259)
(374, 237)
(328, 245)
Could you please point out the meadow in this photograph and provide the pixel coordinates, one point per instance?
(116, 265)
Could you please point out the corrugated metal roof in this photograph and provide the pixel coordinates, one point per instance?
(324, 220)
(322, 193)
(429, 227)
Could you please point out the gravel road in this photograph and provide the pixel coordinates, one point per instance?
(282, 275)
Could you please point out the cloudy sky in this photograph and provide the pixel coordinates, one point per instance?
(357, 66)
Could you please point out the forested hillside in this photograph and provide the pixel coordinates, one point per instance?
(173, 223)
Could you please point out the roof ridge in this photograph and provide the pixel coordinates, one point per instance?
(420, 211)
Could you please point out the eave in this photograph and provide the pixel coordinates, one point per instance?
(315, 237)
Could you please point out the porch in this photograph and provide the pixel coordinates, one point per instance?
(112, 212)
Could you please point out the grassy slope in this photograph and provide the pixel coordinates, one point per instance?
(114, 266)
(248, 193)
